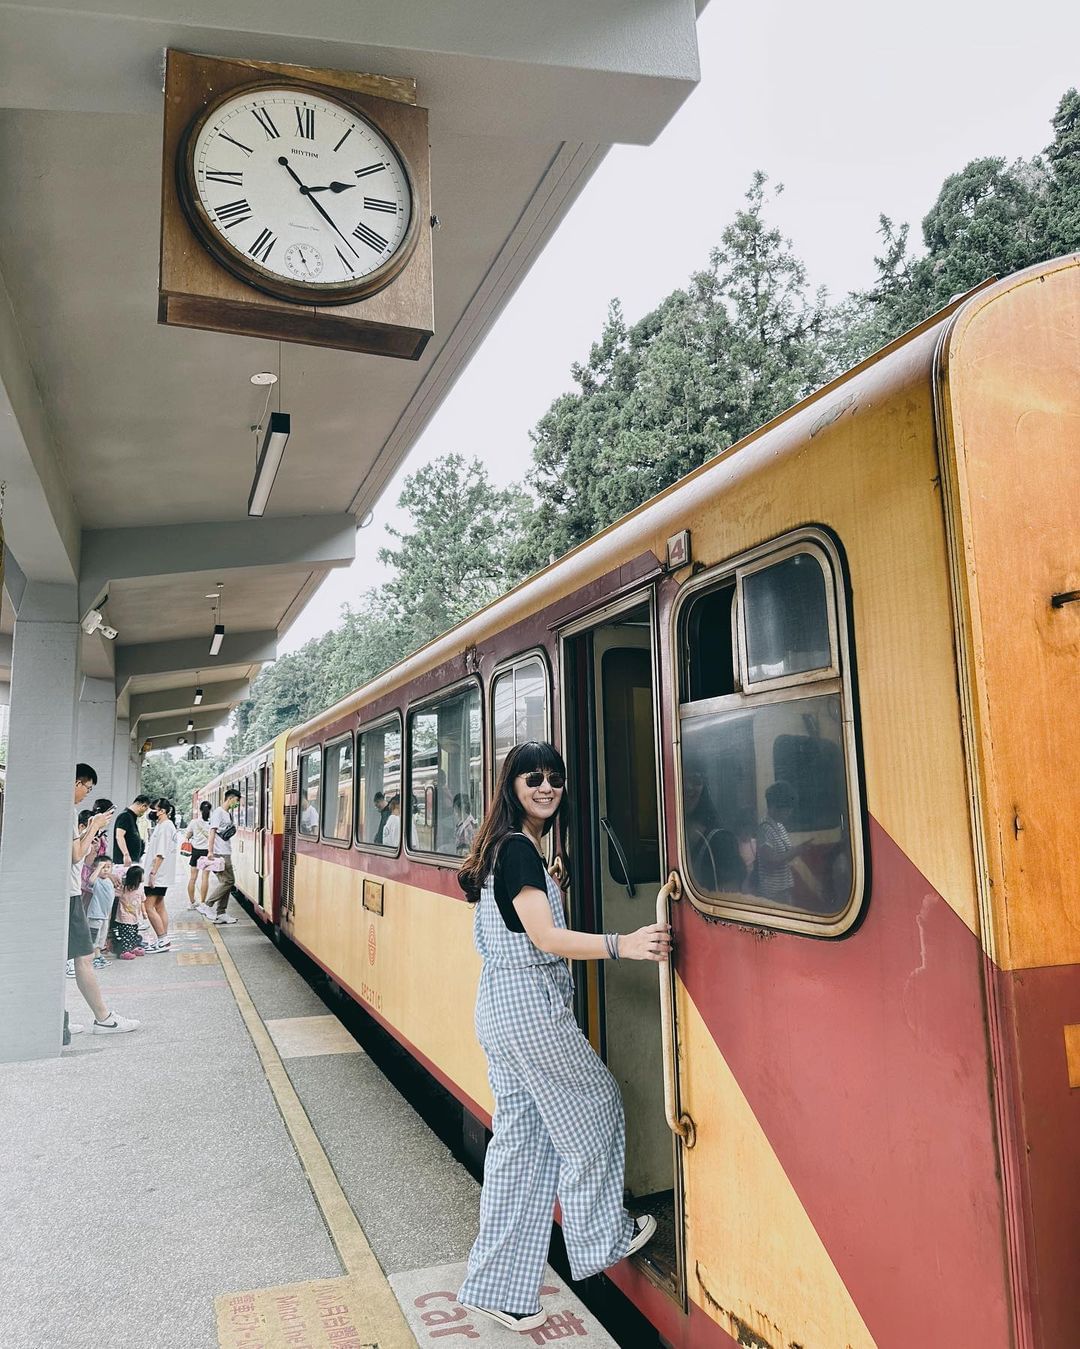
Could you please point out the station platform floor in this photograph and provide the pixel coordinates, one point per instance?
(235, 1172)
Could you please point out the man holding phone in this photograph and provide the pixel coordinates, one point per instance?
(80, 943)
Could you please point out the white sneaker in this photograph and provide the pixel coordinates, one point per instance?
(223, 919)
(116, 1025)
(162, 944)
(70, 969)
(206, 910)
(644, 1231)
(74, 1028)
(508, 1320)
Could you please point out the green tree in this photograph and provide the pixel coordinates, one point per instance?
(452, 560)
(1061, 219)
(158, 776)
(744, 340)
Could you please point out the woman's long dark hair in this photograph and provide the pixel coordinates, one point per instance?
(204, 809)
(505, 814)
(163, 803)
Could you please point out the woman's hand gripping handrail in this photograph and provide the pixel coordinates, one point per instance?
(682, 1125)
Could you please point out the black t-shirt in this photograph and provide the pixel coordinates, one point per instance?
(128, 821)
(517, 866)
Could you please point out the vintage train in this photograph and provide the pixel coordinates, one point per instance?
(856, 1108)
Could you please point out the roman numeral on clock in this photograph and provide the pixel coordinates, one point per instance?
(305, 123)
(260, 249)
(371, 168)
(377, 204)
(370, 237)
(234, 177)
(266, 122)
(233, 213)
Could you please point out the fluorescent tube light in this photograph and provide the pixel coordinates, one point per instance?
(216, 640)
(198, 696)
(275, 438)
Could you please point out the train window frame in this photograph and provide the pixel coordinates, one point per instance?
(837, 678)
(332, 840)
(509, 667)
(742, 574)
(380, 849)
(308, 752)
(448, 860)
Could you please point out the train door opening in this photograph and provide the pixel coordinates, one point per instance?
(262, 833)
(617, 863)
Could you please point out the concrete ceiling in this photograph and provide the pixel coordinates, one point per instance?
(127, 445)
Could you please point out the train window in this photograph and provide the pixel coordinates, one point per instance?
(445, 798)
(770, 814)
(709, 666)
(307, 815)
(786, 619)
(337, 797)
(519, 708)
(379, 775)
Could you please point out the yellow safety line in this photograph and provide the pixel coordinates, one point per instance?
(345, 1232)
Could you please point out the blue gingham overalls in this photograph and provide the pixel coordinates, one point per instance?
(558, 1123)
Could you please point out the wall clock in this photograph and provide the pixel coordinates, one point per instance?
(296, 205)
(298, 194)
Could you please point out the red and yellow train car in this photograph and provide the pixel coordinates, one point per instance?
(857, 1107)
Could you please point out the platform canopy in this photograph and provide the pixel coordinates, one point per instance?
(126, 446)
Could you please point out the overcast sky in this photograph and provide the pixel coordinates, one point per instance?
(856, 109)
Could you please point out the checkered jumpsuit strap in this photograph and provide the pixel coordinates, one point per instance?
(558, 1127)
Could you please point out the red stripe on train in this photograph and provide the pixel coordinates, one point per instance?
(865, 1061)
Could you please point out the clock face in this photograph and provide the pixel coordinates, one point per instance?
(298, 194)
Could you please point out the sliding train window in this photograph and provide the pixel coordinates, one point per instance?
(337, 791)
(770, 819)
(378, 774)
(445, 758)
(307, 812)
(519, 708)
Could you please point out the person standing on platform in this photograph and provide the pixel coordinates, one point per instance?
(198, 835)
(127, 840)
(558, 1128)
(161, 856)
(222, 830)
(80, 943)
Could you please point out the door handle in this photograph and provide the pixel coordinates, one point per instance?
(630, 889)
(681, 1125)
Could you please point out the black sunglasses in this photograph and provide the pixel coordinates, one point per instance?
(556, 780)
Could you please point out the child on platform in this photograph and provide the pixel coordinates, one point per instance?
(127, 911)
(99, 906)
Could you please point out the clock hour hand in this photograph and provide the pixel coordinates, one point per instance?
(305, 191)
(333, 187)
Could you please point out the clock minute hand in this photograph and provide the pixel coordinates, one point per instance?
(305, 191)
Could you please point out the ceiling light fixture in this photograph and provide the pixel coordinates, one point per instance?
(191, 725)
(275, 438)
(181, 739)
(198, 697)
(367, 519)
(219, 627)
(264, 377)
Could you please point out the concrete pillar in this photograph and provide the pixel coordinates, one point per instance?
(95, 737)
(120, 760)
(35, 850)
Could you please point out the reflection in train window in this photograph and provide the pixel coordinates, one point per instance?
(379, 785)
(307, 813)
(767, 774)
(786, 616)
(337, 797)
(445, 763)
(519, 708)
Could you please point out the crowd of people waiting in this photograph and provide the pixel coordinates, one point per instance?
(115, 899)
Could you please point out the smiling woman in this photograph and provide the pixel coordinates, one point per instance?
(559, 1129)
